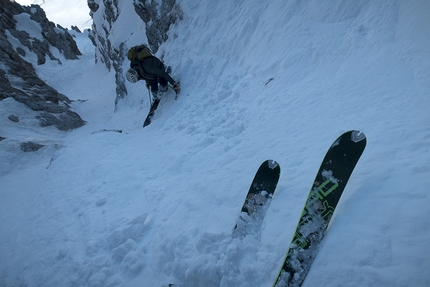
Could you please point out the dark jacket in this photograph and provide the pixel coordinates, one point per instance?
(151, 68)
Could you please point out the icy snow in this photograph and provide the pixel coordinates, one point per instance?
(153, 206)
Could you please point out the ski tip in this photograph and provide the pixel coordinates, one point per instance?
(272, 163)
(357, 136)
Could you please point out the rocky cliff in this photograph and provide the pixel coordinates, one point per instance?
(18, 78)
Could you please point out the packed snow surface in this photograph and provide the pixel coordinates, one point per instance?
(260, 80)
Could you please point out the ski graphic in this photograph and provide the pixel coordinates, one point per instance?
(330, 182)
(258, 198)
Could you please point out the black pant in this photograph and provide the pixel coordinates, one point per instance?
(154, 83)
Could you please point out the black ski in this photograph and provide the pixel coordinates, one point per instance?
(154, 106)
(325, 193)
(258, 198)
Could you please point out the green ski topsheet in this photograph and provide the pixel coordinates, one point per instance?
(331, 179)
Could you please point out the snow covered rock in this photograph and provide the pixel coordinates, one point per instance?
(158, 20)
(26, 37)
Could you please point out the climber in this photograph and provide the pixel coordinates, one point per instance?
(145, 66)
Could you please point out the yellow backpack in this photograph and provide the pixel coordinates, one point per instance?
(139, 52)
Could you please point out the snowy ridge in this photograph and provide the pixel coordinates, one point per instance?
(65, 13)
(153, 206)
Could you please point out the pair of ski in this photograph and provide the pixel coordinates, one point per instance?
(324, 195)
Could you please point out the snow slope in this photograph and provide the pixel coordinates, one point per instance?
(278, 80)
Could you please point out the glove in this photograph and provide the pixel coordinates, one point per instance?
(176, 88)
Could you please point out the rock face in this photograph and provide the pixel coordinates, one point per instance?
(155, 17)
(18, 78)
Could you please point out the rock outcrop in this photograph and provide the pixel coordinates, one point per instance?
(18, 78)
